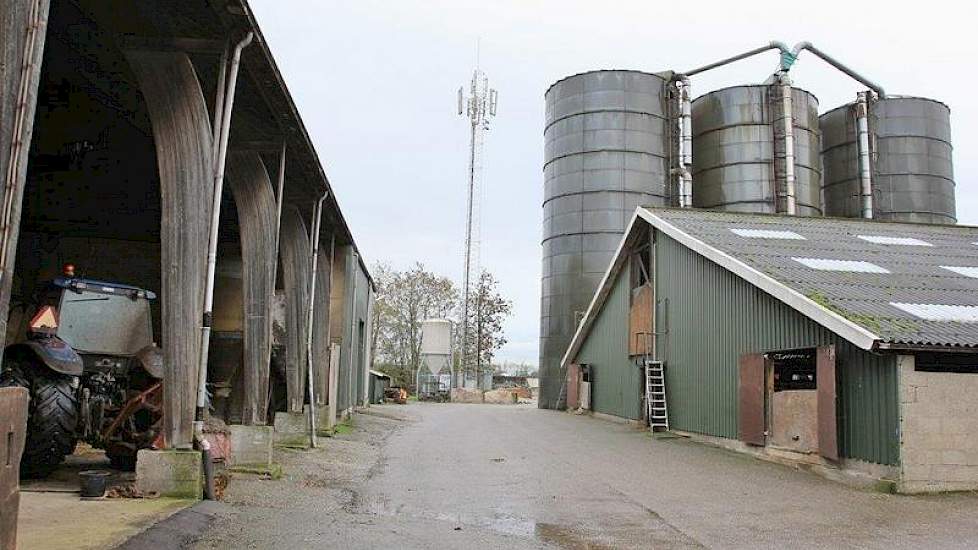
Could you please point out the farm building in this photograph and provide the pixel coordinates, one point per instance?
(155, 147)
(846, 344)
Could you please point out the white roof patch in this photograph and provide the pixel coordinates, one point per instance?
(902, 241)
(940, 312)
(766, 234)
(962, 270)
(857, 266)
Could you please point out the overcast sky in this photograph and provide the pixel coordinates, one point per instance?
(376, 82)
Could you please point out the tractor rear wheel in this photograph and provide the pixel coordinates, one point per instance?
(52, 416)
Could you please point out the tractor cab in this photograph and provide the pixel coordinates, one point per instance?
(98, 320)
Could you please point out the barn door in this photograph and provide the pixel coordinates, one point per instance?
(750, 420)
(828, 435)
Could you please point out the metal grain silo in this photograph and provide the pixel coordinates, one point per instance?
(739, 161)
(908, 173)
(606, 152)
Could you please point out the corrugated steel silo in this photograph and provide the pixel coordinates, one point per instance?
(910, 154)
(607, 151)
(738, 152)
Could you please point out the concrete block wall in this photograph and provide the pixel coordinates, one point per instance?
(938, 430)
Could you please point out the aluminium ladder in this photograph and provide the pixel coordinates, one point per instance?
(655, 395)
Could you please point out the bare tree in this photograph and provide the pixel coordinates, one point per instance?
(491, 310)
(404, 300)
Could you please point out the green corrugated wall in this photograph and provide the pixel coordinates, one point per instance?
(617, 383)
(712, 317)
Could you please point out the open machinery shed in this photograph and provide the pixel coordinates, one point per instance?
(109, 146)
(844, 343)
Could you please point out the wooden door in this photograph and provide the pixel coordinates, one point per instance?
(750, 389)
(828, 435)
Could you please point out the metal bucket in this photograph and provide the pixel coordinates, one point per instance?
(93, 483)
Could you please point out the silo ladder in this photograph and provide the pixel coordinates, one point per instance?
(655, 393)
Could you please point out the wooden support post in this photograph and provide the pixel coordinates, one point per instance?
(296, 271)
(184, 151)
(23, 25)
(257, 212)
(320, 327)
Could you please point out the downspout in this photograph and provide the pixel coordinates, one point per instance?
(317, 219)
(222, 138)
(353, 333)
(865, 170)
(789, 144)
(36, 22)
(685, 143)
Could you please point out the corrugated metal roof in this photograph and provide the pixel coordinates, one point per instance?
(915, 274)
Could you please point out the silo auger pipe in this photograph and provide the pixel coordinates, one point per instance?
(801, 46)
(773, 45)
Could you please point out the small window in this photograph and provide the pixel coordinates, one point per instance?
(964, 363)
(793, 370)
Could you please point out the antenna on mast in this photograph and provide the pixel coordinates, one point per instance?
(480, 107)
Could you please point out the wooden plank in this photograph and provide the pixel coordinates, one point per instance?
(750, 389)
(640, 320)
(13, 431)
(573, 386)
(828, 434)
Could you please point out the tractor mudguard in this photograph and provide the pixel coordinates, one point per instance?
(53, 352)
(151, 359)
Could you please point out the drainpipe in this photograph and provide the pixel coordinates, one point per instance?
(801, 46)
(865, 171)
(685, 143)
(353, 332)
(789, 145)
(35, 27)
(316, 220)
(222, 150)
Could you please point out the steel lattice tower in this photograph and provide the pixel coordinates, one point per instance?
(479, 107)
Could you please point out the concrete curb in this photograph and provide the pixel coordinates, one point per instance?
(179, 530)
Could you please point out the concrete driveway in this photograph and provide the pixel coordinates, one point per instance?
(465, 476)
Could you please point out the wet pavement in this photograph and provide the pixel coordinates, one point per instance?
(484, 476)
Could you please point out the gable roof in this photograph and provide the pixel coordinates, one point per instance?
(876, 284)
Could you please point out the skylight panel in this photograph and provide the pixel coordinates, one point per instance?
(766, 234)
(900, 241)
(962, 270)
(940, 312)
(855, 266)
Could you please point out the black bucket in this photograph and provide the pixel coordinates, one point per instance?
(93, 483)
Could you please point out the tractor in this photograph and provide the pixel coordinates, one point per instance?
(93, 372)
